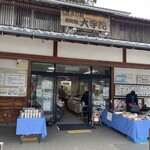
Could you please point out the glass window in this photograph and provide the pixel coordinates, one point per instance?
(101, 70)
(42, 67)
(73, 69)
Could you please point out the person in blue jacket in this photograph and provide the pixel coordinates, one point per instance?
(131, 100)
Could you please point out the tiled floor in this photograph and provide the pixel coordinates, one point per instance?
(101, 138)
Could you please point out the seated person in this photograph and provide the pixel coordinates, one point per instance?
(131, 100)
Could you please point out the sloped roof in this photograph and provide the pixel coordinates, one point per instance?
(88, 7)
(93, 8)
(76, 38)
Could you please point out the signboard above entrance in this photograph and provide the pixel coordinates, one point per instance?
(85, 21)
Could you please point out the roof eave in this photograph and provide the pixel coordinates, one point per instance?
(75, 38)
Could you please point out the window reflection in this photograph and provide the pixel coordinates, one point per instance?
(101, 70)
(73, 69)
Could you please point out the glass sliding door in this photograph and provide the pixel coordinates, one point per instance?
(76, 80)
(42, 96)
(42, 89)
(100, 86)
(100, 91)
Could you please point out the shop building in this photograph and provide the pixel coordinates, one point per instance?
(46, 44)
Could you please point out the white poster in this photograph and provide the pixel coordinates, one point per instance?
(38, 92)
(140, 90)
(15, 79)
(124, 78)
(12, 91)
(1, 79)
(47, 84)
(3, 92)
(47, 105)
(22, 91)
(143, 79)
(105, 91)
(109, 116)
(47, 95)
(8, 91)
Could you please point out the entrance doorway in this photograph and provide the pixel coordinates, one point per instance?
(70, 91)
(47, 79)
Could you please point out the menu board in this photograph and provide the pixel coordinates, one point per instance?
(124, 89)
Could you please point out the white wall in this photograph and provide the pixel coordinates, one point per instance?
(138, 56)
(8, 63)
(130, 74)
(92, 52)
(24, 45)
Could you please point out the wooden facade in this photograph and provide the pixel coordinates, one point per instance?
(46, 17)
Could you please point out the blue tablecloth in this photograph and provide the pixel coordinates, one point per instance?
(134, 129)
(27, 126)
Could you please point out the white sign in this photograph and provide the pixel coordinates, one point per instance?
(47, 84)
(15, 79)
(109, 116)
(1, 79)
(105, 91)
(8, 91)
(3, 91)
(124, 89)
(38, 92)
(47, 105)
(21, 91)
(143, 79)
(123, 78)
(13, 92)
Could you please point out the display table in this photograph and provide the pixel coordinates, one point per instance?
(136, 130)
(31, 126)
(75, 105)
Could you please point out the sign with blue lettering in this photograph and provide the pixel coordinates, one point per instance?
(124, 78)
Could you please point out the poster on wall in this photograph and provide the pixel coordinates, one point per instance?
(124, 78)
(140, 90)
(15, 79)
(38, 92)
(105, 91)
(1, 79)
(22, 91)
(47, 84)
(47, 105)
(8, 91)
(47, 94)
(143, 79)
(12, 91)
(3, 92)
(13, 82)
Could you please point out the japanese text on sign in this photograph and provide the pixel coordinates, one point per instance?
(81, 20)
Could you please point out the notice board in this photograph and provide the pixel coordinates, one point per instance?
(140, 90)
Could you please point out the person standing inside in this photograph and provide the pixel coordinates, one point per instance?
(62, 94)
(85, 99)
(131, 100)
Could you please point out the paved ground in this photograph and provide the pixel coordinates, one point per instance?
(101, 138)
